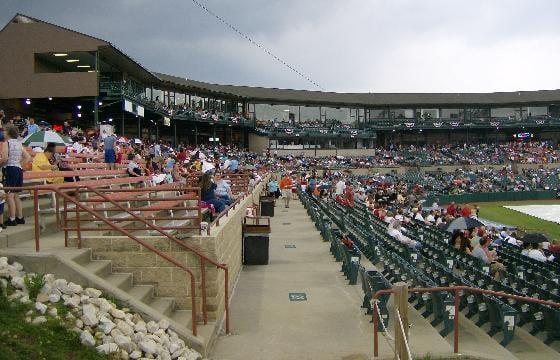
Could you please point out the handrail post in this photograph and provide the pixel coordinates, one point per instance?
(226, 290)
(456, 322)
(375, 325)
(37, 226)
(203, 288)
(193, 305)
(65, 222)
(78, 231)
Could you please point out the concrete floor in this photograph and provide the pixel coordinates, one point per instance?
(329, 325)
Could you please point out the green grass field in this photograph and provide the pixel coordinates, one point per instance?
(496, 212)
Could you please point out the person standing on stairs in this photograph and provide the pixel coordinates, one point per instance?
(286, 187)
(14, 158)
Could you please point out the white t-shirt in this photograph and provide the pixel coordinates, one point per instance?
(340, 186)
(537, 255)
(207, 166)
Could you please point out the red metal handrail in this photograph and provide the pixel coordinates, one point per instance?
(203, 258)
(457, 291)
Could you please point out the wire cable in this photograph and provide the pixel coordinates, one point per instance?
(248, 38)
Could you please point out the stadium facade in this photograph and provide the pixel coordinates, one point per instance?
(57, 74)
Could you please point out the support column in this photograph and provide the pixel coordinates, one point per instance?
(175, 133)
(139, 128)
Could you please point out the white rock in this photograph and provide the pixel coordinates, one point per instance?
(124, 342)
(173, 347)
(3, 262)
(106, 326)
(73, 301)
(107, 339)
(60, 283)
(53, 312)
(24, 299)
(79, 324)
(103, 304)
(163, 324)
(70, 316)
(3, 283)
(87, 339)
(84, 299)
(124, 328)
(54, 298)
(39, 320)
(40, 307)
(107, 348)
(89, 316)
(71, 289)
(135, 354)
(138, 338)
(148, 346)
(140, 326)
(93, 293)
(17, 266)
(18, 282)
(160, 333)
(117, 314)
(152, 326)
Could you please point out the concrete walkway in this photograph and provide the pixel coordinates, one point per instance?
(329, 325)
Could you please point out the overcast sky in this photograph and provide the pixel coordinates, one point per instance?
(344, 45)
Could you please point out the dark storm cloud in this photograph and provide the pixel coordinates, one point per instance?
(391, 45)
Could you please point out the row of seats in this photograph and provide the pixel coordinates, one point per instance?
(438, 264)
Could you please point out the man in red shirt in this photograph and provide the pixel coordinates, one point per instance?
(451, 209)
(286, 188)
(466, 211)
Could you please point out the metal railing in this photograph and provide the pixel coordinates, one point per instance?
(457, 290)
(72, 194)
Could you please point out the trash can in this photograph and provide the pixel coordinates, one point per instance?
(256, 231)
(267, 206)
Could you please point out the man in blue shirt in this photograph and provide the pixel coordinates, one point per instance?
(234, 165)
(32, 128)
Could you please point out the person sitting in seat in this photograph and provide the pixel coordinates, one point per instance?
(535, 252)
(223, 189)
(394, 229)
(207, 188)
(44, 161)
(488, 257)
(133, 169)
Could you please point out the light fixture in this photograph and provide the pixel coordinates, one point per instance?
(50, 99)
(100, 103)
(110, 119)
(79, 115)
(72, 60)
(84, 66)
(79, 107)
(91, 71)
(60, 54)
(28, 101)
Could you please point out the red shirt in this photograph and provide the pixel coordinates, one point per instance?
(451, 209)
(466, 211)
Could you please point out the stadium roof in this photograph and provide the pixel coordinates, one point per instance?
(305, 97)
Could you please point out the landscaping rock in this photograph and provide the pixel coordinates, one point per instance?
(107, 348)
(40, 307)
(92, 293)
(39, 320)
(87, 339)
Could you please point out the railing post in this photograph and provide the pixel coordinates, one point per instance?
(193, 305)
(65, 222)
(401, 309)
(203, 288)
(375, 325)
(456, 323)
(78, 231)
(226, 290)
(36, 210)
